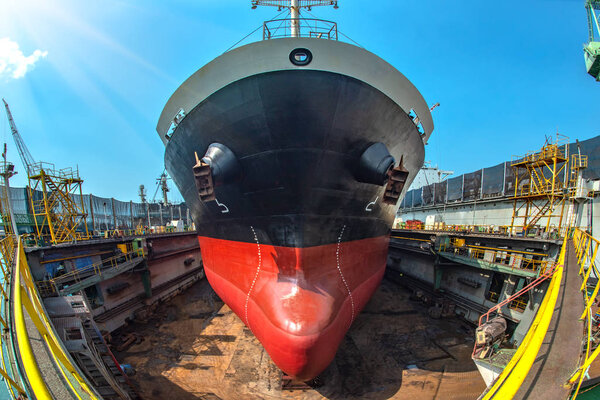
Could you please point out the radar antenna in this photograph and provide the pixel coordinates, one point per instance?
(294, 6)
(142, 194)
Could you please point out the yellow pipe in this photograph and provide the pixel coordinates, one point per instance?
(31, 369)
(523, 365)
(508, 250)
(513, 375)
(38, 315)
(407, 238)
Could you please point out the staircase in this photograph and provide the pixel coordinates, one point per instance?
(537, 216)
(107, 376)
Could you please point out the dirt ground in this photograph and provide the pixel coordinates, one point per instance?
(195, 347)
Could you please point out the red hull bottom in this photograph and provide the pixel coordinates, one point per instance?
(298, 302)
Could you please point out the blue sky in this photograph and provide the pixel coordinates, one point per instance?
(506, 74)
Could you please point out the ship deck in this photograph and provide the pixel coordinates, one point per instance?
(195, 347)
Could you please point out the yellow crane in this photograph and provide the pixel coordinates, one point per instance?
(57, 216)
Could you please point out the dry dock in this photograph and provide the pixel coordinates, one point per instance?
(195, 347)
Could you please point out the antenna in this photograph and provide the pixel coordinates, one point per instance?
(142, 194)
(308, 4)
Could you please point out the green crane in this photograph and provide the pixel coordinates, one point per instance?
(592, 49)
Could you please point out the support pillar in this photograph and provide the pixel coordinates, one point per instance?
(131, 214)
(147, 282)
(112, 200)
(92, 214)
(438, 272)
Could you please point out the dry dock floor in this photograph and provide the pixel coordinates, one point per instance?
(195, 347)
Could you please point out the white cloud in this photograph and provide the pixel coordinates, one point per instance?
(13, 63)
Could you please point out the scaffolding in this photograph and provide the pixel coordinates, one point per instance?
(545, 182)
(58, 217)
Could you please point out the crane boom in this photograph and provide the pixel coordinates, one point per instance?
(26, 156)
(592, 49)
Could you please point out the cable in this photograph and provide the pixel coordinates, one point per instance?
(352, 40)
(158, 186)
(254, 31)
(340, 32)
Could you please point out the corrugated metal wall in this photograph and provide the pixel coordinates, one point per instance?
(496, 181)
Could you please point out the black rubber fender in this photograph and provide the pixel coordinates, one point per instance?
(224, 165)
(373, 165)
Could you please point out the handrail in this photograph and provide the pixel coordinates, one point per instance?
(531, 285)
(409, 238)
(510, 380)
(497, 230)
(98, 267)
(516, 257)
(26, 298)
(7, 250)
(507, 250)
(586, 249)
(510, 299)
(50, 286)
(516, 261)
(32, 371)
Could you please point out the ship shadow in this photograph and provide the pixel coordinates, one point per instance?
(389, 340)
(394, 347)
(166, 350)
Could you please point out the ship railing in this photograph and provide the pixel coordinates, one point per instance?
(22, 307)
(307, 27)
(53, 286)
(586, 249)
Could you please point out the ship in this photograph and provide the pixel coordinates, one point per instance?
(292, 154)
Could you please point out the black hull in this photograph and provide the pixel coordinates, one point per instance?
(298, 136)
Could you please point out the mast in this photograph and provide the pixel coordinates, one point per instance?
(295, 18)
(294, 7)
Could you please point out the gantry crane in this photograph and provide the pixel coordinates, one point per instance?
(56, 214)
(591, 50)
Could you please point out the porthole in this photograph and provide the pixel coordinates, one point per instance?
(301, 57)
